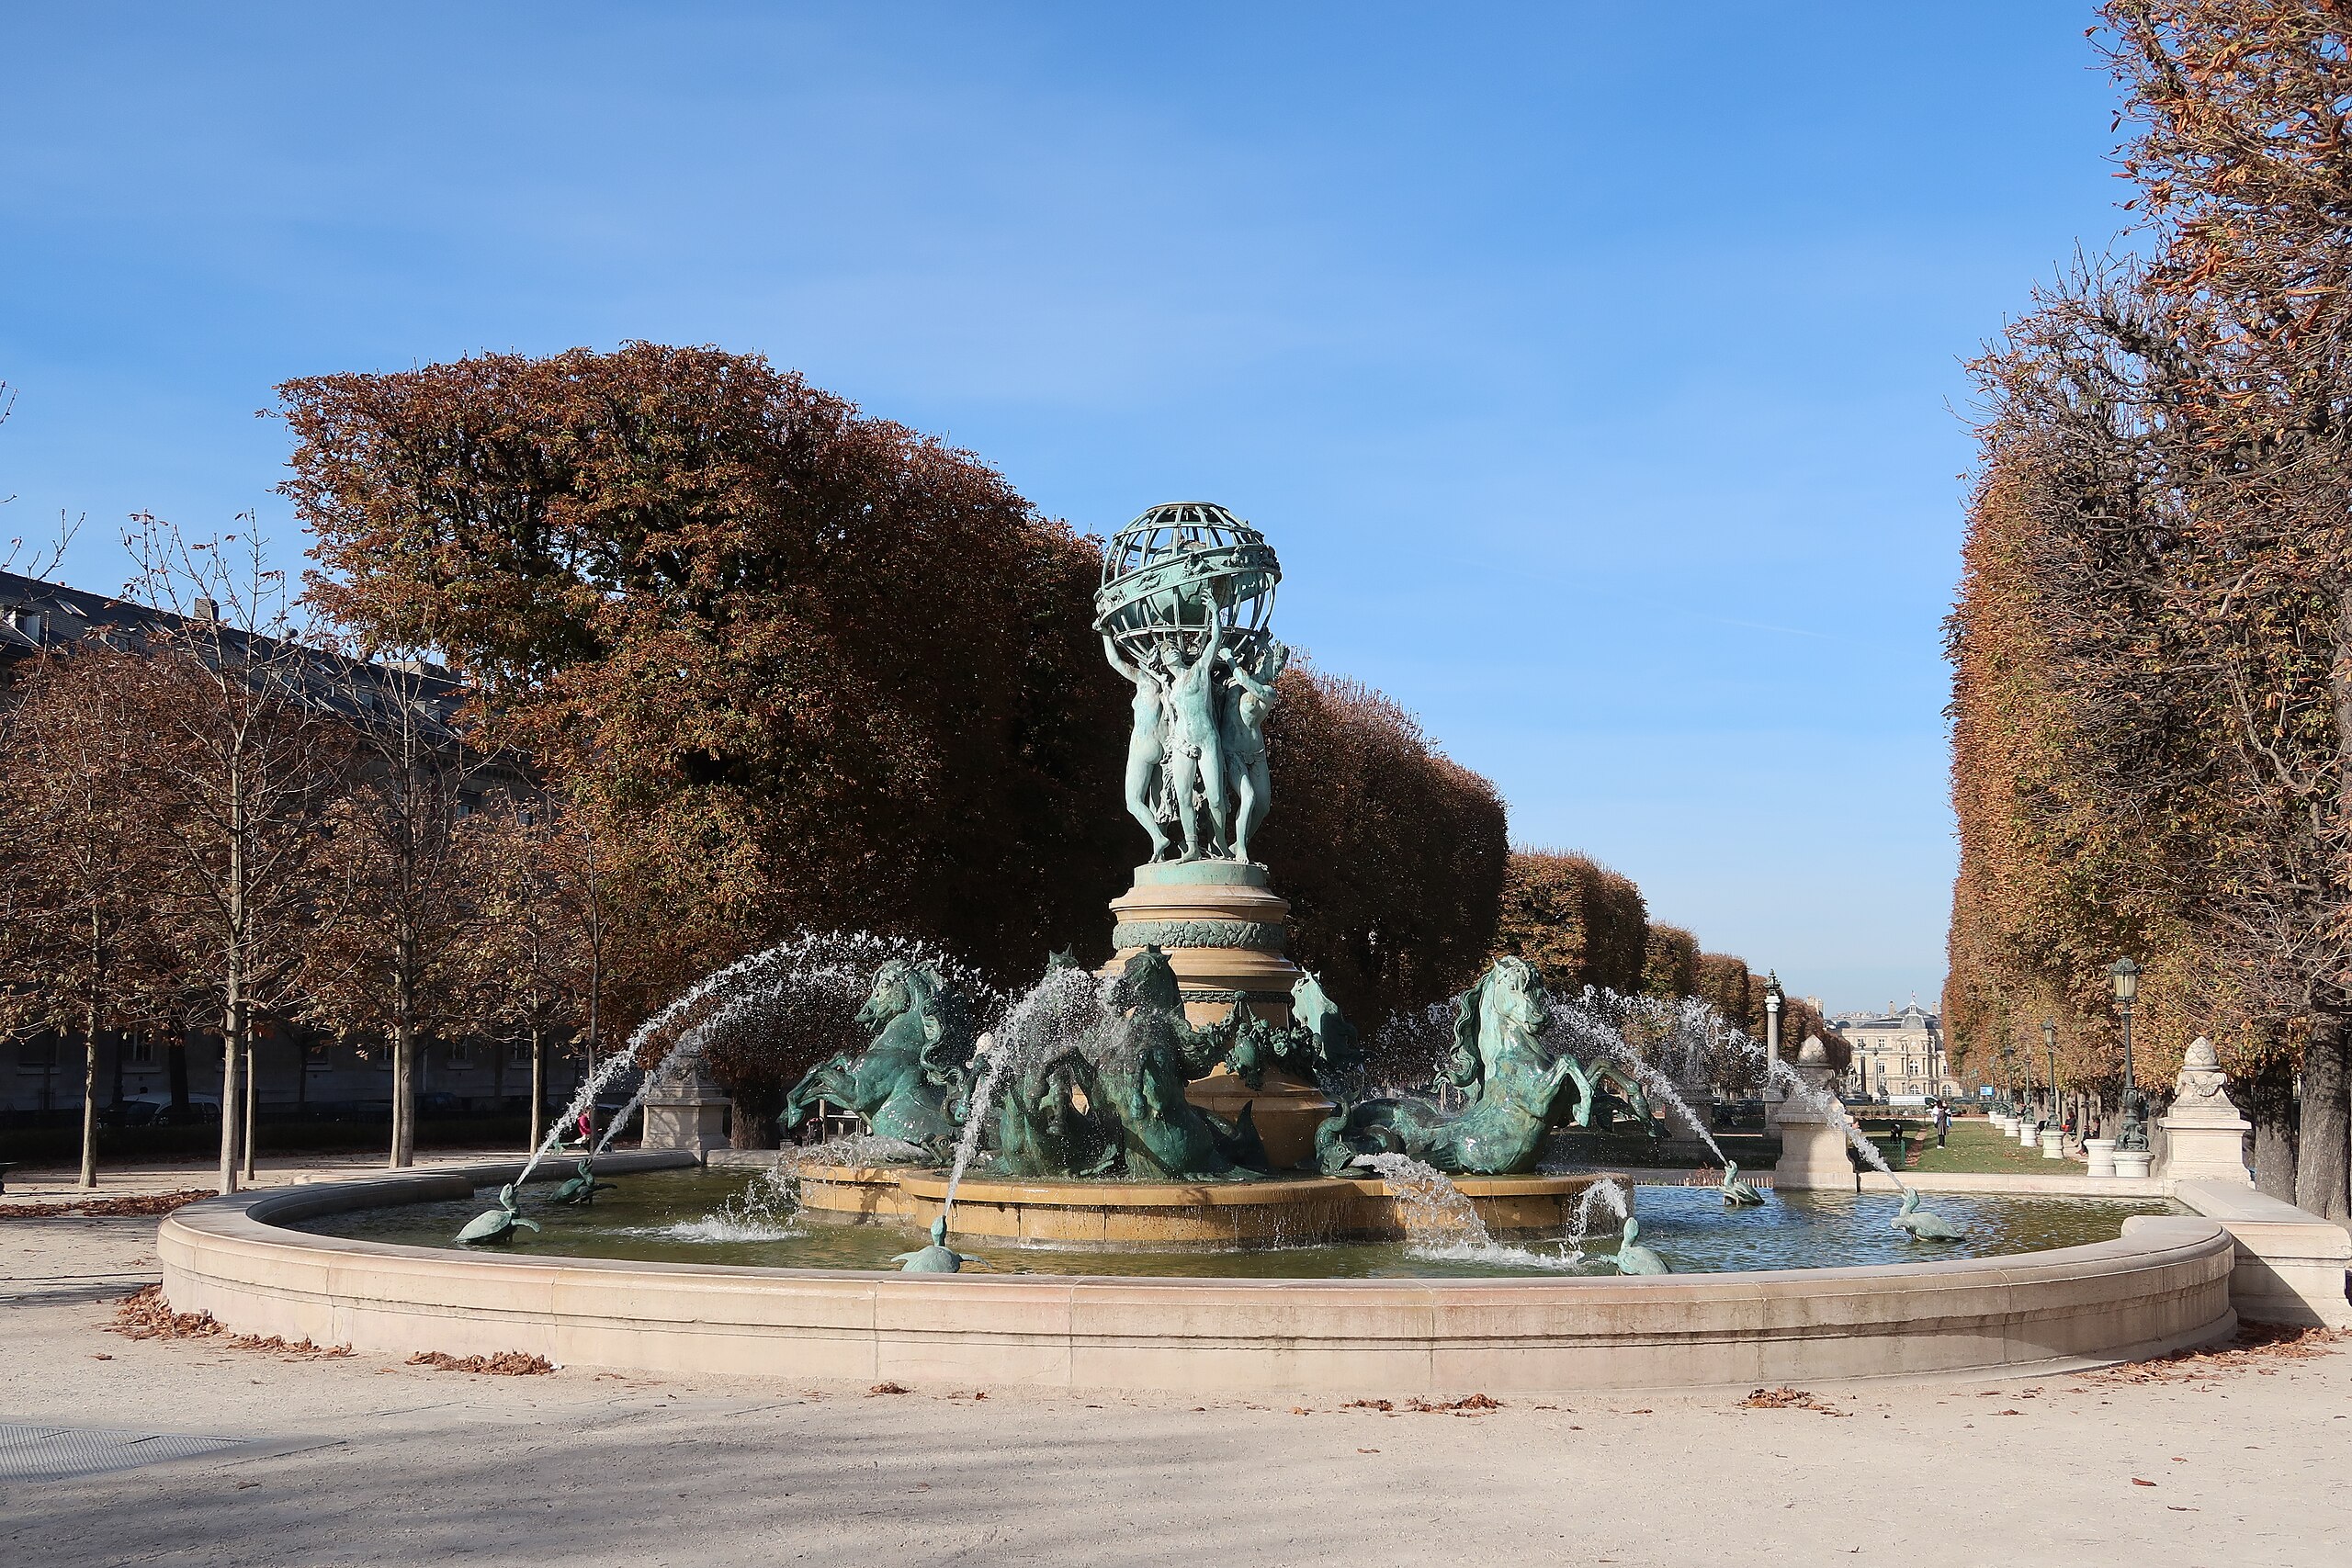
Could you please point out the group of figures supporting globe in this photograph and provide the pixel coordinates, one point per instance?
(1105, 1095)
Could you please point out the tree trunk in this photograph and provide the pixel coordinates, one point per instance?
(538, 1086)
(90, 1103)
(2325, 1140)
(253, 1103)
(2269, 1105)
(404, 1098)
(176, 1072)
(753, 1124)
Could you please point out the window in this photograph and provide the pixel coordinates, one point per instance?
(138, 1051)
(518, 1054)
(462, 1054)
(38, 1054)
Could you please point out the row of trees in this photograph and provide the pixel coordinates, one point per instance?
(1581, 924)
(2153, 648)
(207, 823)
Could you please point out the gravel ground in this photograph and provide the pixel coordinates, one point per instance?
(364, 1459)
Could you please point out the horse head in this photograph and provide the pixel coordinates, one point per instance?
(1150, 980)
(890, 995)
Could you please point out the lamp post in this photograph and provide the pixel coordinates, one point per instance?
(2050, 1045)
(2126, 976)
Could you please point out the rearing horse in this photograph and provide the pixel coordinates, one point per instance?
(902, 1082)
(1497, 1062)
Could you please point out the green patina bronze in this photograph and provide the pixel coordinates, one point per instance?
(938, 1258)
(1924, 1224)
(1183, 612)
(1262, 936)
(496, 1228)
(1738, 1194)
(1511, 1083)
(582, 1187)
(904, 1083)
(1632, 1256)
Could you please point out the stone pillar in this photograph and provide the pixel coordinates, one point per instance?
(2204, 1135)
(1221, 925)
(1814, 1150)
(685, 1110)
(1773, 1093)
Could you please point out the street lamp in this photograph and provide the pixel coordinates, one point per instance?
(2126, 976)
(2050, 1043)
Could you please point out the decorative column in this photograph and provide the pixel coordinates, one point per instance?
(1773, 1093)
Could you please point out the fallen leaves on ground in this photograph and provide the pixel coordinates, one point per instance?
(888, 1388)
(105, 1208)
(2261, 1348)
(505, 1364)
(1786, 1398)
(145, 1314)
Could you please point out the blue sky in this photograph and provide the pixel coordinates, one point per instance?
(1599, 379)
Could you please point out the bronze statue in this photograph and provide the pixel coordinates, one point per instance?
(496, 1228)
(904, 1082)
(1249, 696)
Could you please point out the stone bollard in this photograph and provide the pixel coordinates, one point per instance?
(2028, 1130)
(2054, 1143)
(2101, 1155)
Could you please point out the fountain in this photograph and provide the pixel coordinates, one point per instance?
(1177, 1166)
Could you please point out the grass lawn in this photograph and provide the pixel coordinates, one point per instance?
(1977, 1146)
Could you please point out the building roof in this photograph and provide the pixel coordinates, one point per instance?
(37, 615)
(1911, 1017)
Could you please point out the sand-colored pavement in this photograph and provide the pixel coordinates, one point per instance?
(364, 1459)
(48, 1184)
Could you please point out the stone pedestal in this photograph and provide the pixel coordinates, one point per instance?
(2132, 1162)
(2204, 1135)
(2054, 1143)
(1221, 925)
(685, 1110)
(2101, 1153)
(1813, 1133)
(2028, 1130)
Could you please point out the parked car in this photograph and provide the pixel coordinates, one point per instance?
(439, 1103)
(155, 1111)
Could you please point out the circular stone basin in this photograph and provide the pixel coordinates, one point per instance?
(1403, 1326)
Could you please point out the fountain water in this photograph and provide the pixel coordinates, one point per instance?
(1442, 1225)
(1068, 1007)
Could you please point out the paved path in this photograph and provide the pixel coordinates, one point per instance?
(55, 1184)
(367, 1461)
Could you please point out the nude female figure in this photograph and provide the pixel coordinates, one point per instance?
(1148, 745)
(1196, 744)
(1250, 693)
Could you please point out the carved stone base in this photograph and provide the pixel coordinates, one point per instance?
(1221, 925)
(687, 1112)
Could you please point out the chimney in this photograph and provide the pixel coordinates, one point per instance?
(205, 610)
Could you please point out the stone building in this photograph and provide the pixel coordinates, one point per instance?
(1896, 1053)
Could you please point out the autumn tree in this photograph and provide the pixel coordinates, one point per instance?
(2168, 640)
(831, 670)
(82, 954)
(1392, 855)
(239, 767)
(1669, 963)
(405, 963)
(1576, 921)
